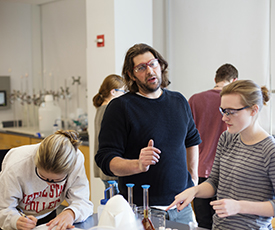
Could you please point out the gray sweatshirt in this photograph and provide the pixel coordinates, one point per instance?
(21, 187)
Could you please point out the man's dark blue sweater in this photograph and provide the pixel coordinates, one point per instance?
(129, 122)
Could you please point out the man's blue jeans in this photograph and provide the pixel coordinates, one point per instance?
(184, 216)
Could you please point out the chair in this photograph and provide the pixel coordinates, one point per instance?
(3, 153)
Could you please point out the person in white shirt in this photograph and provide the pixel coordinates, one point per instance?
(36, 179)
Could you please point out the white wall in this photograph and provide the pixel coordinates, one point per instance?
(15, 47)
(64, 50)
(160, 26)
(130, 28)
(100, 63)
(206, 34)
(47, 41)
(122, 28)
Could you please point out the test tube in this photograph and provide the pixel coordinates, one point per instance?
(145, 199)
(146, 222)
(112, 189)
(130, 193)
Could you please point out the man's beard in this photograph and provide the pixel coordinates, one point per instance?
(147, 87)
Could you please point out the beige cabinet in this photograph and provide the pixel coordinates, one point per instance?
(86, 152)
(8, 141)
(34, 140)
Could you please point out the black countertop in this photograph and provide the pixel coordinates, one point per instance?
(92, 221)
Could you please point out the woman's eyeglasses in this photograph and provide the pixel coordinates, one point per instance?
(143, 66)
(50, 181)
(229, 112)
(120, 90)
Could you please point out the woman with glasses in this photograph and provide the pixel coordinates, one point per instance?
(36, 179)
(243, 174)
(111, 87)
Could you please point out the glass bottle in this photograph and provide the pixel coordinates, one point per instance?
(146, 222)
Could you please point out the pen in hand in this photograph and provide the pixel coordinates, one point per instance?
(26, 222)
(22, 213)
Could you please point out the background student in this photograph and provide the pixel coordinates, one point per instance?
(111, 87)
(205, 111)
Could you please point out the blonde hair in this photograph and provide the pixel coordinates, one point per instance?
(57, 152)
(251, 94)
(112, 81)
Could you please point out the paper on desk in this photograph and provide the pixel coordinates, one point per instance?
(44, 227)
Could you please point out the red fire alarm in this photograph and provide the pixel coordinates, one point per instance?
(100, 40)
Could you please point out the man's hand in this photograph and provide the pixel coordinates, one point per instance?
(63, 221)
(148, 156)
(26, 223)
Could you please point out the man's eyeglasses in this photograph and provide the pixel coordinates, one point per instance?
(143, 66)
(50, 181)
(229, 112)
(120, 90)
